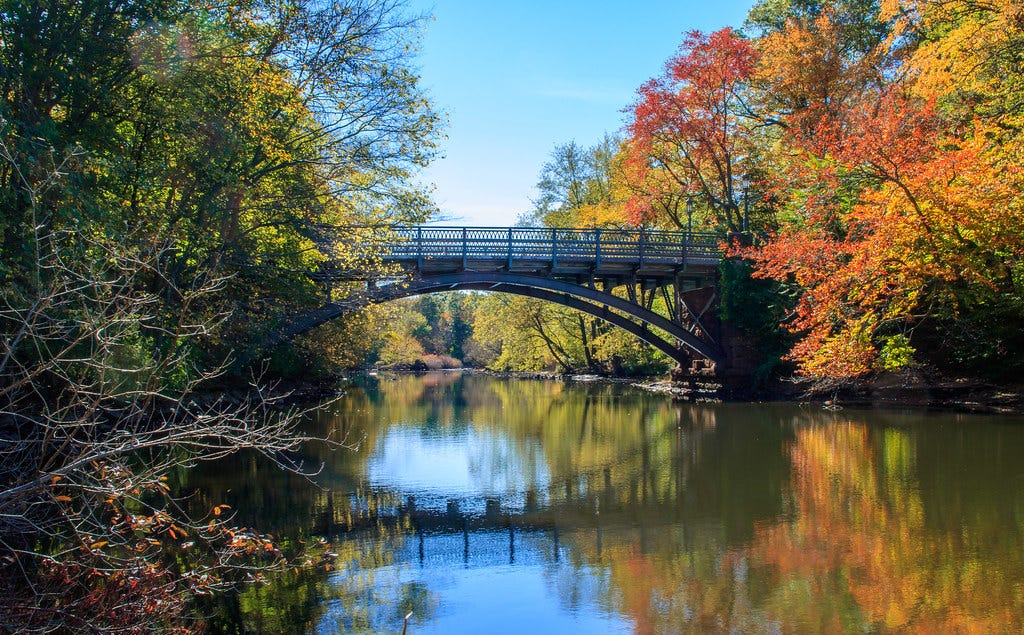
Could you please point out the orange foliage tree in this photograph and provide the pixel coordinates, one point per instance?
(903, 207)
(689, 130)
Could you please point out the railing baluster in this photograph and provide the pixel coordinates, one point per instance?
(554, 248)
(419, 248)
(641, 248)
(597, 248)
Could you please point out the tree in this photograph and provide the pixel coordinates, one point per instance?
(816, 58)
(440, 324)
(690, 129)
(505, 324)
(93, 419)
(578, 187)
(170, 177)
(932, 227)
(242, 132)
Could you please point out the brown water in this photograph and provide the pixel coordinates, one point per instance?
(485, 505)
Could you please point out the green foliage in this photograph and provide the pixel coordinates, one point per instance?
(400, 349)
(401, 333)
(624, 354)
(435, 324)
(757, 308)
(577, 187)
(862, 30)
(895, 353)
(506, 325)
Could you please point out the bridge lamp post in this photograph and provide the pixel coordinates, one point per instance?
(689, 218)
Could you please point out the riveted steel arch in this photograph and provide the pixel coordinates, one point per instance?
(586, 299)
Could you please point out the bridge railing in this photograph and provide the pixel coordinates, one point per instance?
(553, 244)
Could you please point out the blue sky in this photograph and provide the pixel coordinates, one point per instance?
(515, 79)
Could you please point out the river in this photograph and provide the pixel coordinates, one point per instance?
(491, 505)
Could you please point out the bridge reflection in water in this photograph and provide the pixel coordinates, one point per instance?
(487, 533)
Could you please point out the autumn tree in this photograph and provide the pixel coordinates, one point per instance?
(815, 58)
(904, 228)
(965, 57)
(689, 134)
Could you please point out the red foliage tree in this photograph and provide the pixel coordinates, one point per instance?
(688, 134)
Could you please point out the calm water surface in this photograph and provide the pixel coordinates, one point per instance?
(486, 505)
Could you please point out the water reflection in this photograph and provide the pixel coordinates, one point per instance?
(494, 505)
(890, 541)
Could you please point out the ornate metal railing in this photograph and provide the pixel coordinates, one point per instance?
(554, 244)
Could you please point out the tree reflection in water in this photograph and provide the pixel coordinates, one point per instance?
(618, 510)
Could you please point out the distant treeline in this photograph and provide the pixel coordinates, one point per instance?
(506, 333)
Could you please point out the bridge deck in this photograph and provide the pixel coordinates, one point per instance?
(558, 252)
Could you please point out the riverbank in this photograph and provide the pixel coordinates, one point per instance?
(916, 388)
(924, 388)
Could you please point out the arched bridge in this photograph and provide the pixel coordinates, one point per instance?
(613, 274)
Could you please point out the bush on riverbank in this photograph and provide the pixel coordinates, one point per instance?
(427, 362)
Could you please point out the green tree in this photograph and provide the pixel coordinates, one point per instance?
(170, 176)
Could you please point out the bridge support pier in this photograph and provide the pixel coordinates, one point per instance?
(739, 357)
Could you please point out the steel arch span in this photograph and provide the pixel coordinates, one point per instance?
(583, 298)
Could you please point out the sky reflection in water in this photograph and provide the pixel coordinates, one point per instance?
(488, 505)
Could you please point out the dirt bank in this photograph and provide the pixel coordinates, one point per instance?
(925, 388)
